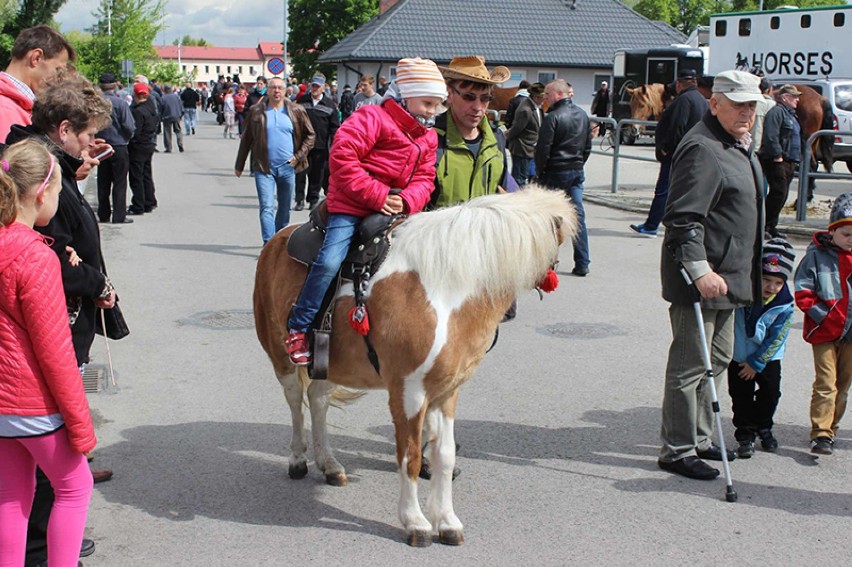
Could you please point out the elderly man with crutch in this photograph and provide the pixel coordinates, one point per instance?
(714, 226)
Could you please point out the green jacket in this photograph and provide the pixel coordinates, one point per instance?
(460, 177)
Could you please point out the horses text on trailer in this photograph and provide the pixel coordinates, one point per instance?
(808, 43)
(807, 46)
(634, 67)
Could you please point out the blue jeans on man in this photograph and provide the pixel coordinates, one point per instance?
(521, 169)
(189, 120)
(279, 182)
(661, 193)
(571, 181)
(338, 235)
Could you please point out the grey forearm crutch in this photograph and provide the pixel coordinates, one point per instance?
(730, 494)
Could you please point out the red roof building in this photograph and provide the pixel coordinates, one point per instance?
(207, 63)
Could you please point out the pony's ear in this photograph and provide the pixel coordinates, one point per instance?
(630, 90)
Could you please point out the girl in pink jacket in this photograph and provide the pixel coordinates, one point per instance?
(44, 415)
(377, 149)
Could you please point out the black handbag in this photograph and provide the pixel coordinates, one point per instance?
(112, 325)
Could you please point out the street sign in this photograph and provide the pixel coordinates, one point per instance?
(126, 67)
(275, 65)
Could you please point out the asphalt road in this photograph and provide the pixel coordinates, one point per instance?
(559, 429)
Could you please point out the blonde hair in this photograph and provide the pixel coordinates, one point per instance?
(24, 165)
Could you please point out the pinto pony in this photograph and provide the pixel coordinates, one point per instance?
(434, 306)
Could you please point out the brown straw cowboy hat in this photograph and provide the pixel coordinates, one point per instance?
(472, 68)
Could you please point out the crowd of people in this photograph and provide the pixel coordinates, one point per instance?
(419, 142)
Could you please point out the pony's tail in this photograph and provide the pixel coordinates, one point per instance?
(825, 144)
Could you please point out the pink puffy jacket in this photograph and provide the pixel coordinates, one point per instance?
(377, 149)
(38, 369)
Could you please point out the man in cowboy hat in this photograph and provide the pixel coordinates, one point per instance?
(471, 154)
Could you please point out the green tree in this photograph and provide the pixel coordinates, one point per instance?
(17, 15)
(189, 40)
(685, 15)
(316, 25)
(124, 30)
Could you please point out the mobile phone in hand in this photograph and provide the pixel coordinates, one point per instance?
(106, 153)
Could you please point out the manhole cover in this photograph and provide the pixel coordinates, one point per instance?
(580, 330)
(228, 320)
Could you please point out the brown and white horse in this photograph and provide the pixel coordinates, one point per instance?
(434, 306)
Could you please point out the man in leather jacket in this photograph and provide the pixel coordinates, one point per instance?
(564, 146)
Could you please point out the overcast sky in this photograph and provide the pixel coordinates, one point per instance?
(227, 23)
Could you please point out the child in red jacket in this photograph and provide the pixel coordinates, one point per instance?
(377, 149)
(44, 414)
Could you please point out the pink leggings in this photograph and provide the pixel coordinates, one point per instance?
(71, 479)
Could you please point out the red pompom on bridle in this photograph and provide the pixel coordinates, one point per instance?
(359, 320)
(549, 282)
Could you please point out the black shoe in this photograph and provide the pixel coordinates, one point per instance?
(768, 441)
(746, 449)
(822, 446)
(103, 220)
(580, 272)
(690, 467)
(180, 148)
(193, 131)
(87, 548)
(167, 152)
(135, 212)
(300, 206)
(125, 221)
(714, 453)
(311, 205)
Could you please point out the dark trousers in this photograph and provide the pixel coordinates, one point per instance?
(112, 179)
(779, 175)
(317, 175)
(753, 411)
(521, 169)
(661, 193)
(39, 516)
(141, 178)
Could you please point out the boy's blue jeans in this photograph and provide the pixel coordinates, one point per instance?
(338, 236)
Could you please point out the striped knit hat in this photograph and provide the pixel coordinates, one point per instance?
(420, 77)
(778, 258)
(841, 211)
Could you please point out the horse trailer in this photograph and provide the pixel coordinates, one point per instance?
(634, 67)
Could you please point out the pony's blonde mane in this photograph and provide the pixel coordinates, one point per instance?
(496, 244)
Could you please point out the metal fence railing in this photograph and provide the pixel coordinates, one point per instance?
(616, 150)
(805, 174)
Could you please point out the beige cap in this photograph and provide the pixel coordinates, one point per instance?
(738, 86)
(789, 89)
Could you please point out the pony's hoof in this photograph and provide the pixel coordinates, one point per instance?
(451, 537)
(420, 538)
(298, 471)
(336, 479)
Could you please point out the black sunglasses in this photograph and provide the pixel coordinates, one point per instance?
(470, 97)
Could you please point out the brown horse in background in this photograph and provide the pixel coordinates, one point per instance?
(434, 306)
(502, 97)
(648, 101)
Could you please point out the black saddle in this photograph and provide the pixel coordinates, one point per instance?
(369, 247)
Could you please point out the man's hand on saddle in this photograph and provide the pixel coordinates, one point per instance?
(711, 285)
(394, 205)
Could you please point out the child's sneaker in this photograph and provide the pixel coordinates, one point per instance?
(768, 441)
(298, 349)
(746, 449)
(822, 446)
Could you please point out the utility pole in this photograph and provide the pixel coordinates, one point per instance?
(284, 43)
